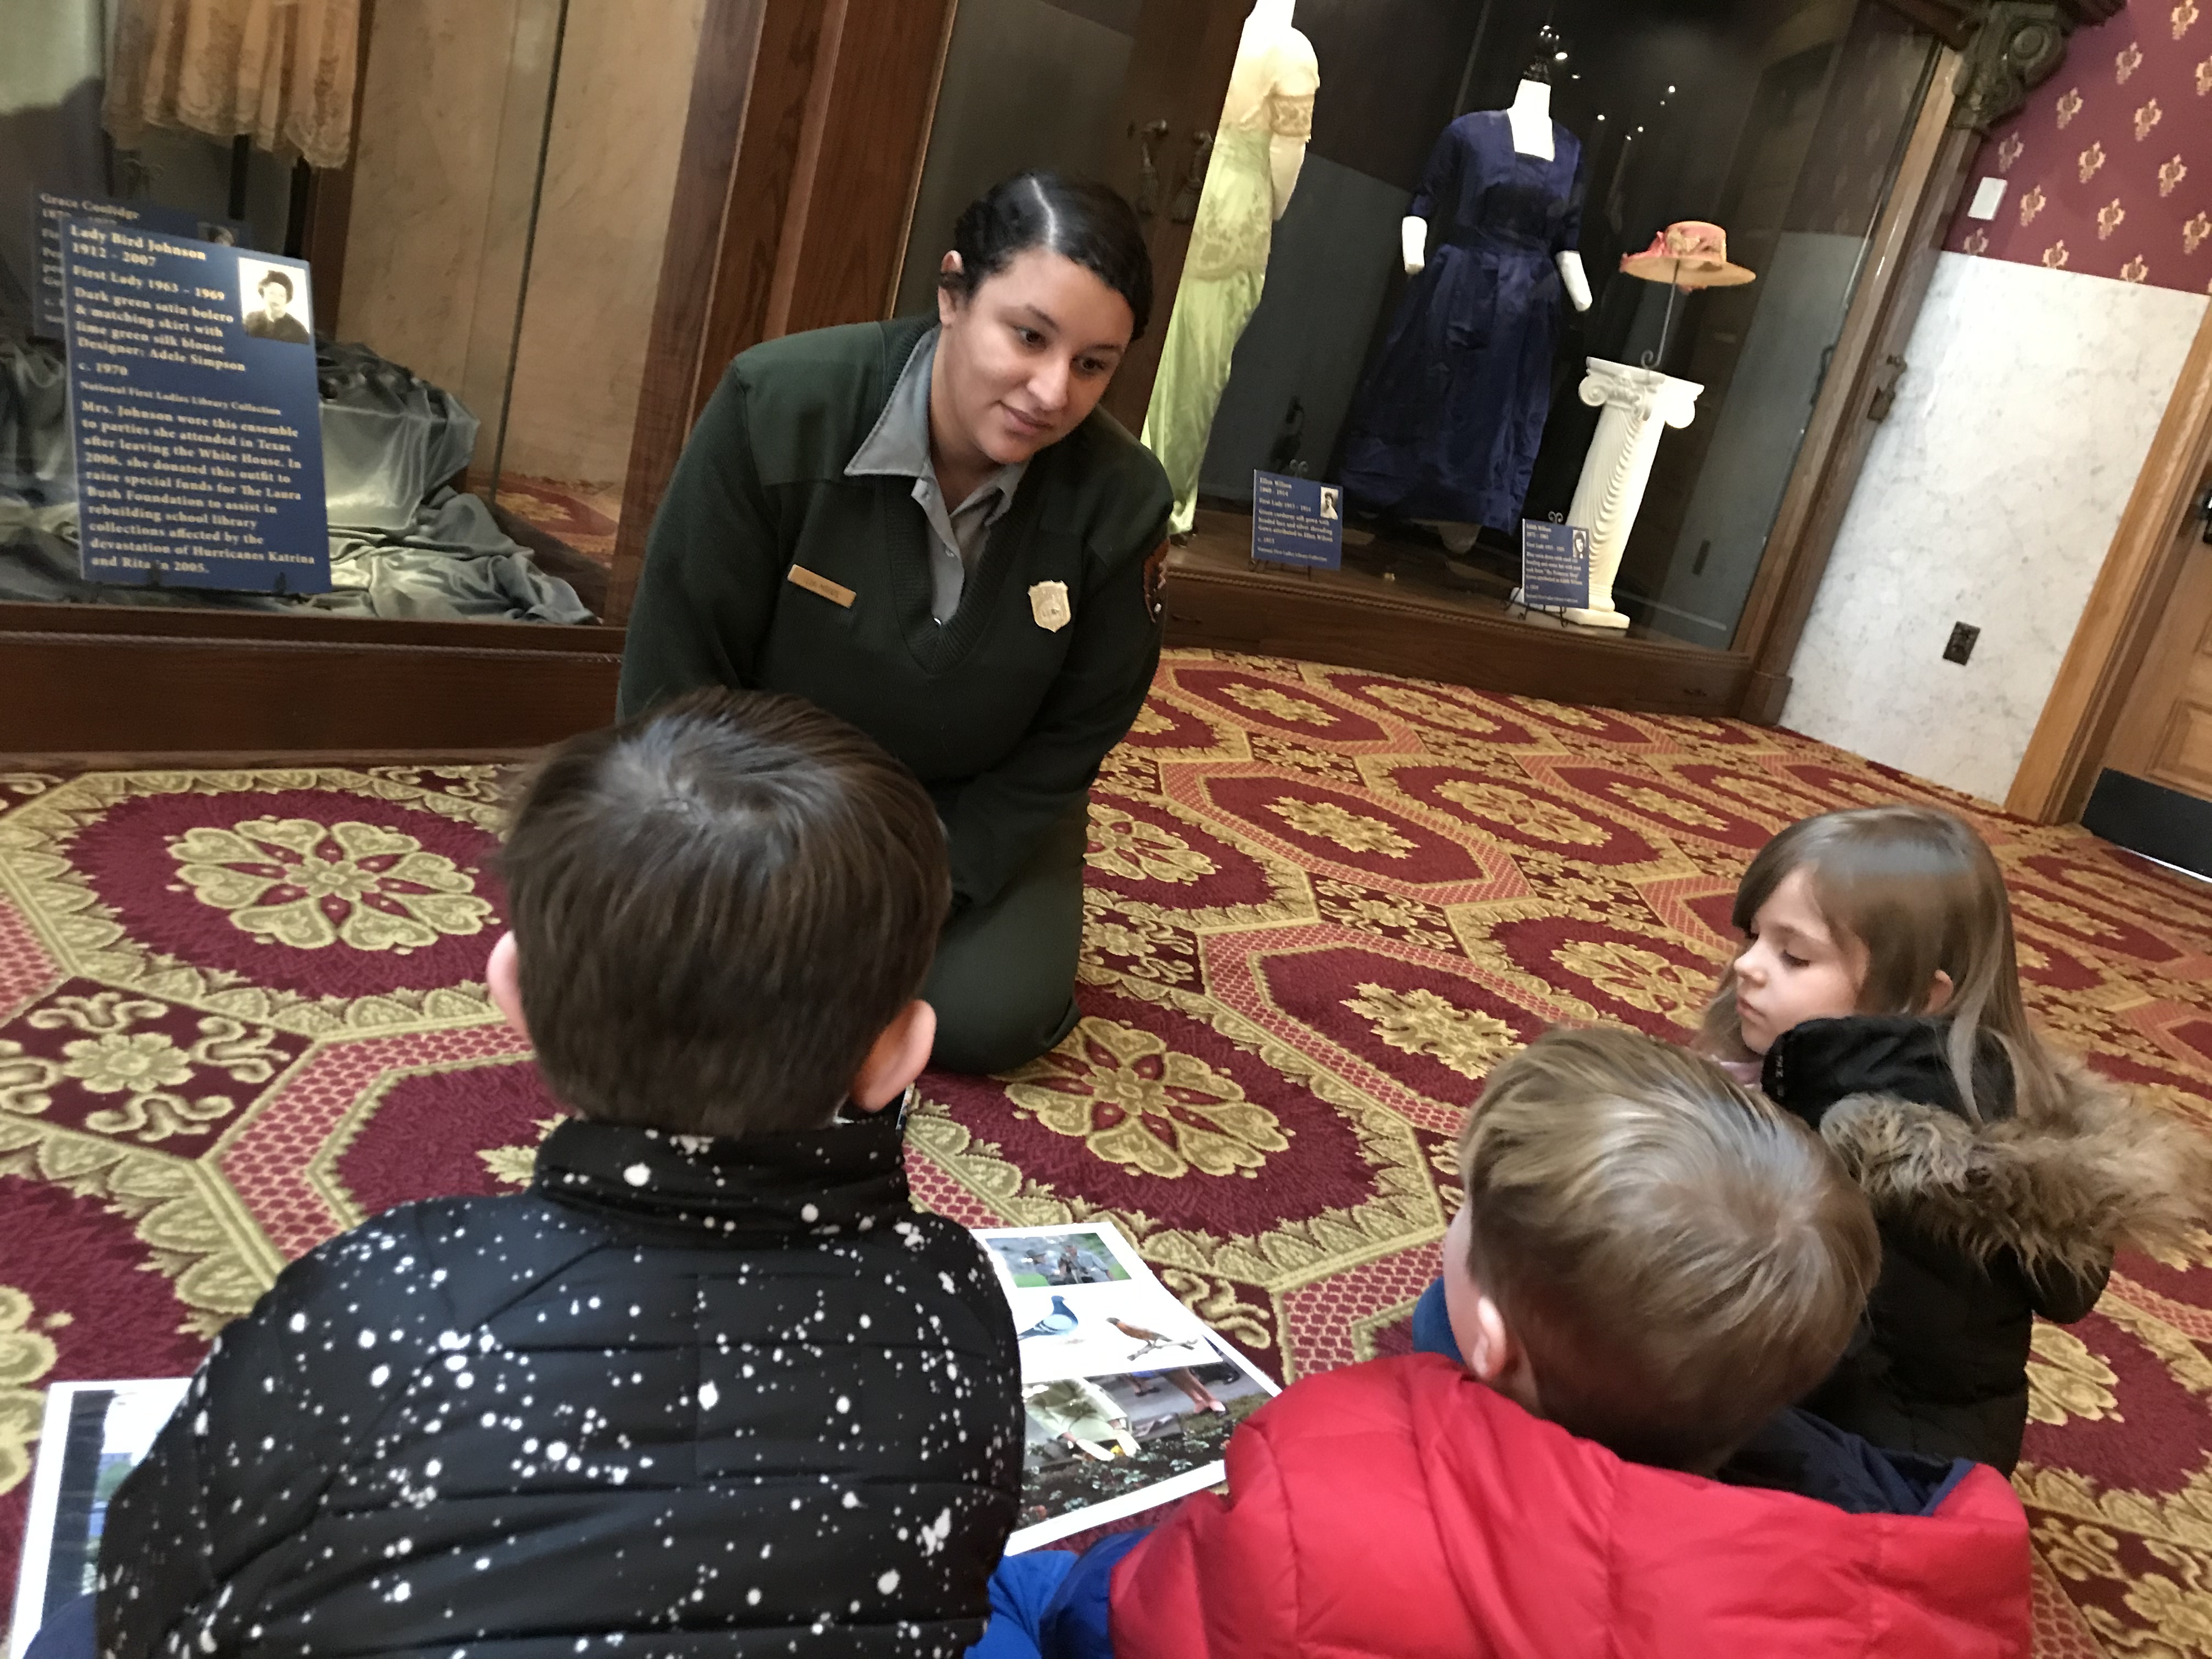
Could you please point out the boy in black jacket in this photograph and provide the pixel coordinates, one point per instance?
(711, 1385)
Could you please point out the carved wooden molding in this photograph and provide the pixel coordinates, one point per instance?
(2018, 45)
(2011, 46)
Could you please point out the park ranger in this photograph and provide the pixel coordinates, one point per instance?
(929, 527)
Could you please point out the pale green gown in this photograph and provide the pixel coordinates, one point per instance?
(1271, 95)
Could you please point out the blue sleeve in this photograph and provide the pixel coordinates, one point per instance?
(1078, 1623)
(1440, 180)
(1432, 1331)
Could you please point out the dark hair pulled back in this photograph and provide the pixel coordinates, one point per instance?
(1078, 219)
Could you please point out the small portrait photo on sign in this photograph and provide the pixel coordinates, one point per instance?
(1328, 501)
(274, 301)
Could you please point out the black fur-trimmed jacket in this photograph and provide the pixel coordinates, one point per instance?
(1984, 1226)
(706, 1398)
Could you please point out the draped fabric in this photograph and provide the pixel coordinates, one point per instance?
(281, 72)
(1271, 95)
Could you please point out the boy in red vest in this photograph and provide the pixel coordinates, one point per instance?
(1649, 1266)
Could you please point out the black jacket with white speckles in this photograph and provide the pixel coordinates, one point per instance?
(683, 1396)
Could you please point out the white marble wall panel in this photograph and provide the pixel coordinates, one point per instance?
(1990, 497)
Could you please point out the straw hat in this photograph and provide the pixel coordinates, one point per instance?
(1690, 255)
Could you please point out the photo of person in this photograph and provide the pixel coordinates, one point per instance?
(274, 302)
(1068, 1259)
(1328, 502)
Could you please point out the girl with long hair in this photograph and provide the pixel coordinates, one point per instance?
(1877, 998)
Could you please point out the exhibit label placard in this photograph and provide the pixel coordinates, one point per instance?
(193, 407)
(50, 208)
(1298, 522)
(1555, 566)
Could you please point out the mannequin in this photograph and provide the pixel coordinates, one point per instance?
(1268, 28)
(1530, 115)
(1451, 410)
(1259, 151)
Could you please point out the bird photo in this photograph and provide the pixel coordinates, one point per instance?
(1059, 1322)
(1147, 1340)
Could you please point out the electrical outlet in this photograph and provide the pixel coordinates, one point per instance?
(1962, 642)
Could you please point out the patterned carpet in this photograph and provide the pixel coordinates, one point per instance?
(240, 1011)
(584, 515)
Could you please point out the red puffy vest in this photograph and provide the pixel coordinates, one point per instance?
(1403, 1509)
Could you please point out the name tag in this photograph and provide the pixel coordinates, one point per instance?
(836, 592)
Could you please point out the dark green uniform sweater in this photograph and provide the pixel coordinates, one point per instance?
(1003, 719)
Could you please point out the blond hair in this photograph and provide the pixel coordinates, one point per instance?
(1917, 891)
(1679, 1259)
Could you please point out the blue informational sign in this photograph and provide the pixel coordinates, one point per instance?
(1555, 562)
(193, 407)
(1297, 521)
(49, 209)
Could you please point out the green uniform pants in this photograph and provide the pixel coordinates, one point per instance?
(1004, 981)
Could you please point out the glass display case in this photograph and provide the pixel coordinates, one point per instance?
(1396, 252)
(474, 216)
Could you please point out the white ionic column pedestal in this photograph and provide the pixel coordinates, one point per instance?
(1639, 404)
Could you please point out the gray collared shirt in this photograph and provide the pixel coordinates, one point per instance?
(899, 447)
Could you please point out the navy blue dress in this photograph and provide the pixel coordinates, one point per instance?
(1447, 421)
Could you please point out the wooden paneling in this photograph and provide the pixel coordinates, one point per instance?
(98, 678)
(2112, 642)
(1219, 600)
(856, 202)
(808, 123)
(732, 36)
(2184, 757)
(1899, 264)
(781, 141)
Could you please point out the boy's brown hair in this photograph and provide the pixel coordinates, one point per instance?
(718, 908)
(1679, 1259)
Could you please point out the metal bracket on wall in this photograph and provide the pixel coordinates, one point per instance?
(1185, 210)
(1148, 171)
(1885, 393)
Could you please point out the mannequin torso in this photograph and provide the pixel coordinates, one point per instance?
(1274, 60)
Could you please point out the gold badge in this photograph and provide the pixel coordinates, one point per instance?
(1049, 605)
(815, 582)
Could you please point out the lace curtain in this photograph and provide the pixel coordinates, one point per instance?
(281, 71)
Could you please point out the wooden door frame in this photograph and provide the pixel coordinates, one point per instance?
(1994, 52)
(2126, 605)
(1901, 259)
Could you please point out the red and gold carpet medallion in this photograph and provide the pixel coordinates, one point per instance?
(239, 1012)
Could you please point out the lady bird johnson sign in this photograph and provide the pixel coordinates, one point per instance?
(193, 407)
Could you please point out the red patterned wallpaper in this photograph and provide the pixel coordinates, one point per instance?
(2109, 168)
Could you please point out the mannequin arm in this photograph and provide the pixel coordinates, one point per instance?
(1413, 238)
(1577, 279)
(1286, 158)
